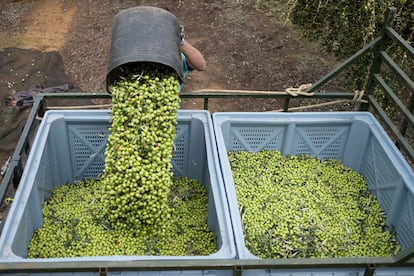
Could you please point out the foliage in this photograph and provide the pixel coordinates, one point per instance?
(278, 9)
(343, 27)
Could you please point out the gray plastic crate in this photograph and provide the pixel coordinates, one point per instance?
(69, 146)
(355, 138)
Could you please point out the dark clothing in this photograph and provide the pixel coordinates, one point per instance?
(25, 98)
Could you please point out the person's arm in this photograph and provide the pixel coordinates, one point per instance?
(193, 56)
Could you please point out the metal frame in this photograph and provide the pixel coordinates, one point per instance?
(16, 165)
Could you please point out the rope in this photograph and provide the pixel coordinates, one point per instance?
(299, 91)
(5, 166)
(357, 99)
(288, 91)
(358, 94)
(311, 106)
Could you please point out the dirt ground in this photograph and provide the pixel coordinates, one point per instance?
(244, 49)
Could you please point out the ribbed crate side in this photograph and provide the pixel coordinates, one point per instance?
(305, 272)
(60, 157)
(44, 175)
(54, 274)
(403, 223)
(14, 241)
(385, 181)
(381, 175)
(394, 271)
(170, 273)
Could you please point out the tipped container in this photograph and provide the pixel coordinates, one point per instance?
(144, 34)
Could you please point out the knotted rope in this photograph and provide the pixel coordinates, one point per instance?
(300, 90)
(292, 91)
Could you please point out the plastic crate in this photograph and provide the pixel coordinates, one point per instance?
(69, 146)
(355, 138)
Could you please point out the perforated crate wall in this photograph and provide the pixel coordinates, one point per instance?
(325, 141)
(85, 156)
(87, 144)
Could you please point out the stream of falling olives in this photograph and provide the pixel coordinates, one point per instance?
(136, 207)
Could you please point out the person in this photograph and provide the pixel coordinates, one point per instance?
(192, 57)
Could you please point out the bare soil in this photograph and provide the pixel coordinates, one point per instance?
(244, 49)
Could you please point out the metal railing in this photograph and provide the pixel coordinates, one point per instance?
(378, 48)
(16, 165)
